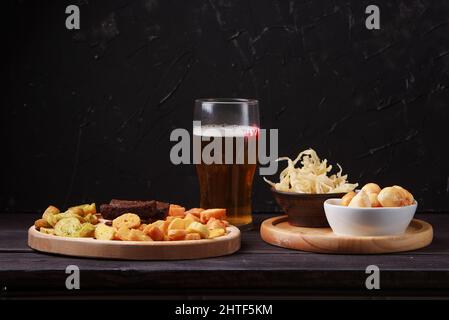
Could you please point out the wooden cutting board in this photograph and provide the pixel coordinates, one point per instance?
(136, 250)
(279, 232)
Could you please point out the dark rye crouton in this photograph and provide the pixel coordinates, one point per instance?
(148, 211)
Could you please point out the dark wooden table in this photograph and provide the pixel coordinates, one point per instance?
(257, 270)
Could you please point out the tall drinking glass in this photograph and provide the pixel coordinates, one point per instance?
(228, 130)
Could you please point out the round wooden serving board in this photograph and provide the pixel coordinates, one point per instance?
(279, 232)
(136, 250)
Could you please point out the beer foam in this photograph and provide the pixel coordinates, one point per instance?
(226, 131)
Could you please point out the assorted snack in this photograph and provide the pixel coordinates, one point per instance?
(125, 220)
(194, 224)
(371, 195)
(149, 221)
(312, 177)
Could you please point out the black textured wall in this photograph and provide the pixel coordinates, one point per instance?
(86, 115)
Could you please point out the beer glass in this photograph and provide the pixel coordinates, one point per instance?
(232, 124)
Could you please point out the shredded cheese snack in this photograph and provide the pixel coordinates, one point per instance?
(311, 177)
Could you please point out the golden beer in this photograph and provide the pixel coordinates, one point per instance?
(229, 185)
(227, 181)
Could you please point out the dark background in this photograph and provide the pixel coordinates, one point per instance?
(86, 115)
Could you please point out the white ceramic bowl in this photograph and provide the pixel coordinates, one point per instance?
(383, 221)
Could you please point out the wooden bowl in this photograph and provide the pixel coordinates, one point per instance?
(302, 209)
